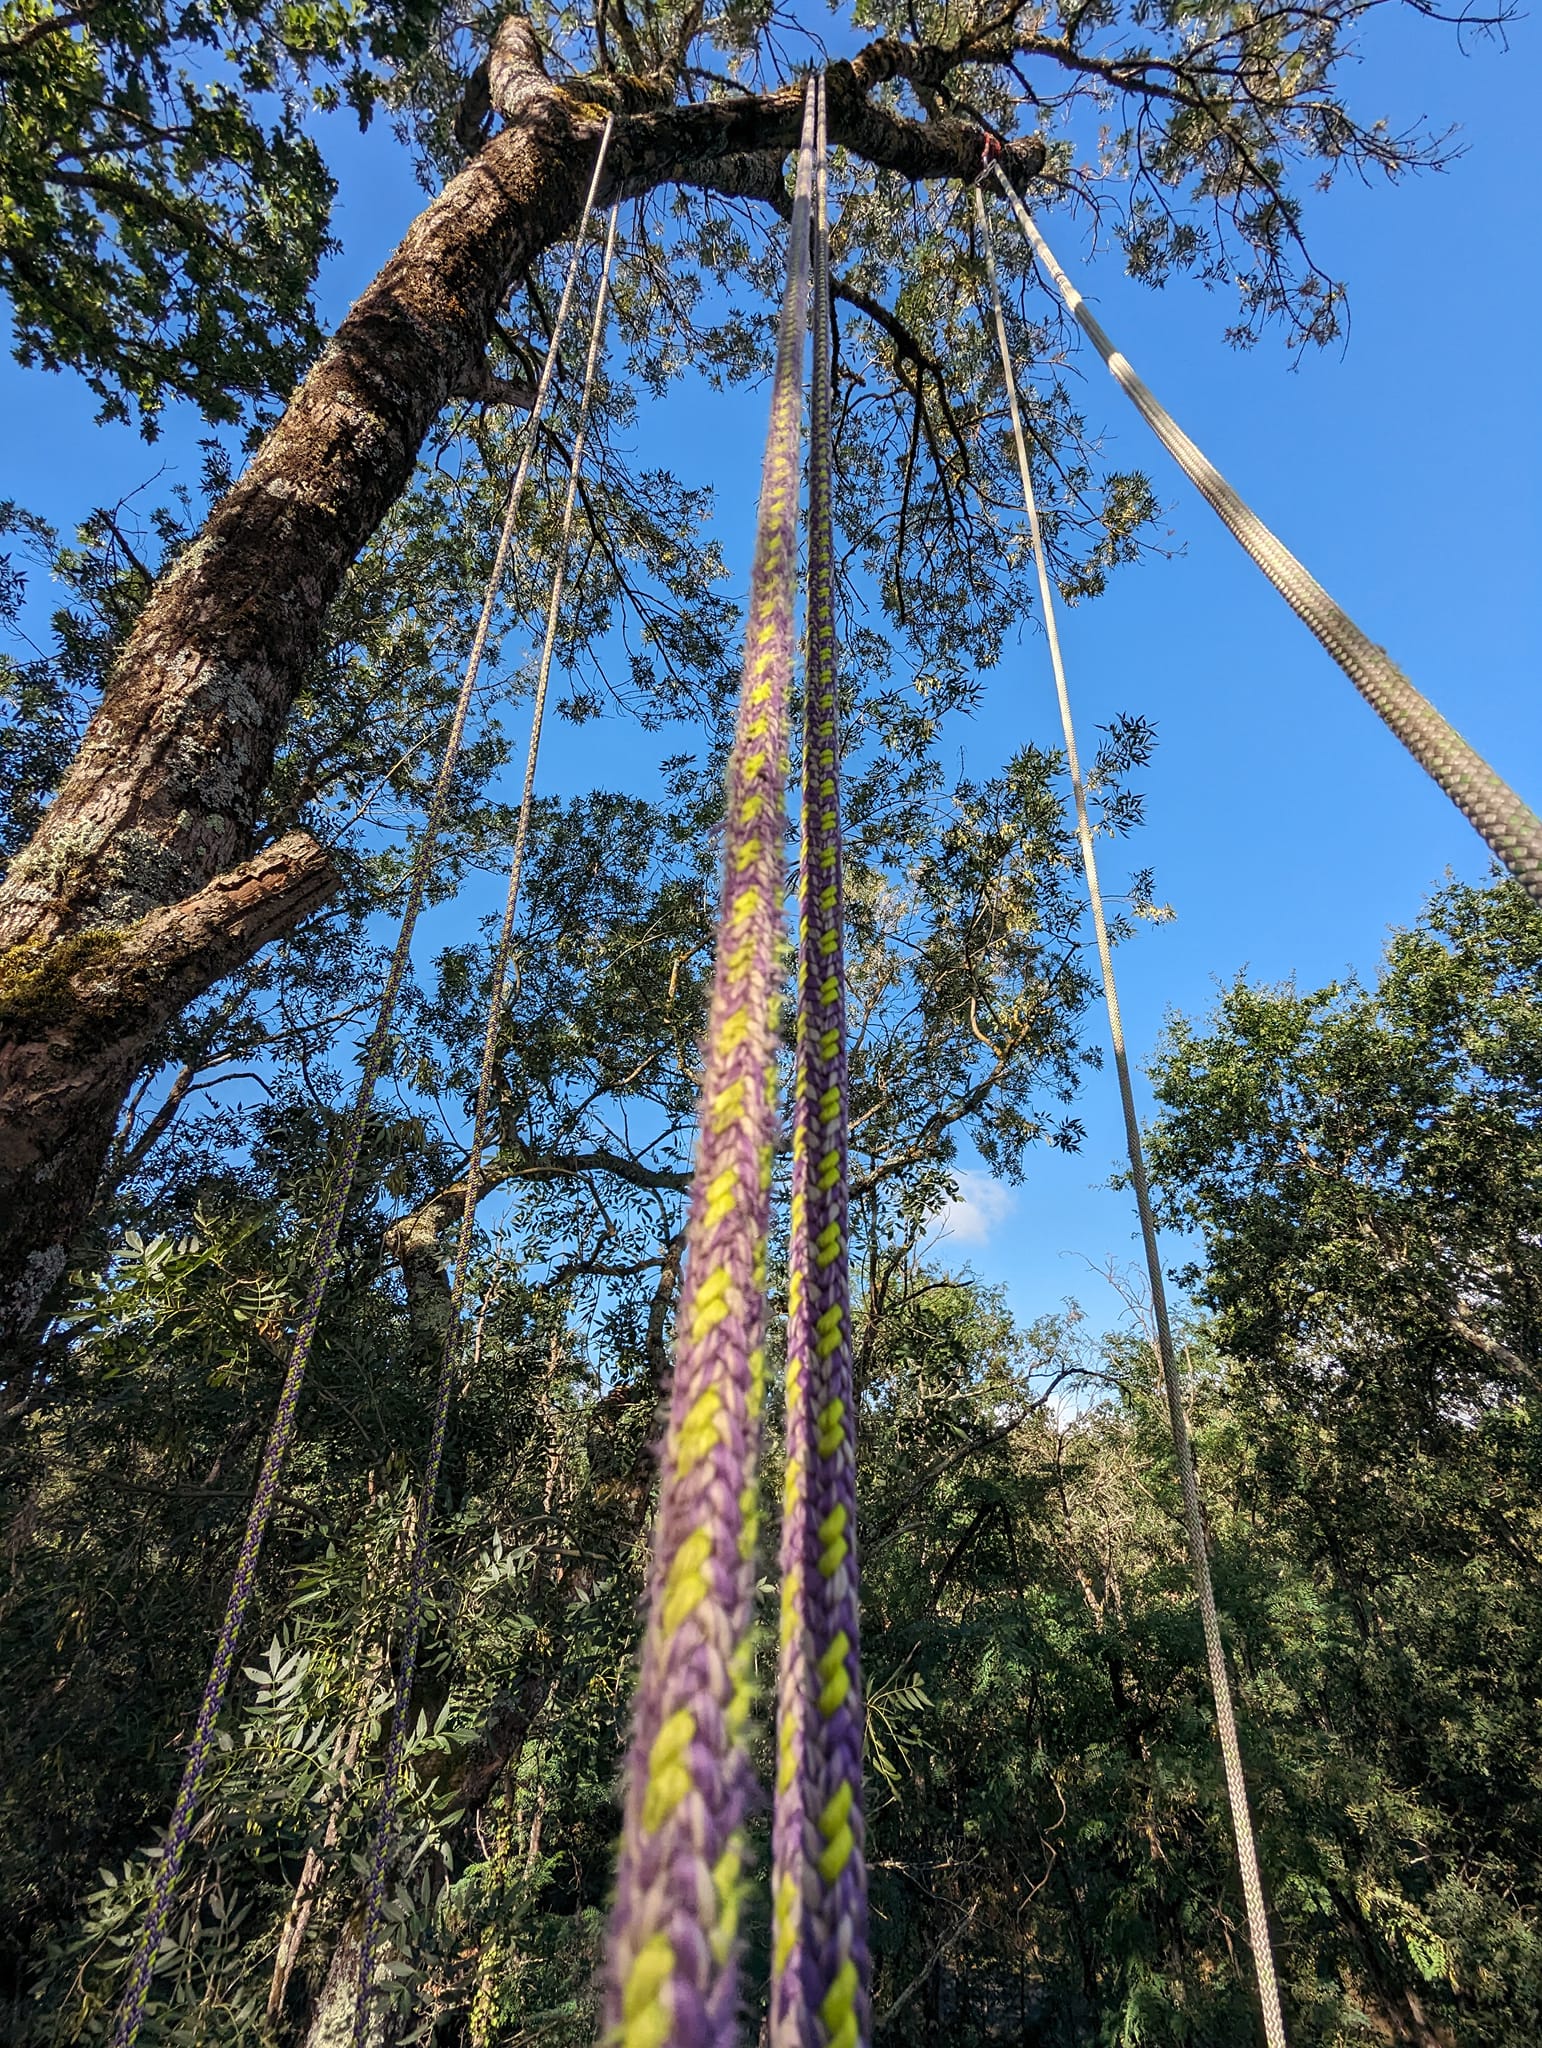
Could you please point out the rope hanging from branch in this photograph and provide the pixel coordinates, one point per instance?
(672, 1956)
(819, 1958)
(1511, 830)
(671, 1971)
(412, 1623)
(1193, 1515)
(179, 1831)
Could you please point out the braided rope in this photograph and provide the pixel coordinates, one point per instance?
(179, 1830)
(671, 1970)
(1511, 830)
(412, 1624)
(1193, 1515)
(819, 1962)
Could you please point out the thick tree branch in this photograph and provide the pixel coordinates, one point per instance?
(751, 174)
(414, 1241)
(127, 981)
(76, 1017)
(677, 145)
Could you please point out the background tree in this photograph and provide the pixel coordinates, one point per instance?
(166, 203)
(1050, 1850)
(1361, 1165)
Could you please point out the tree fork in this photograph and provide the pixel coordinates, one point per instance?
(77, 1014)
(166, 791)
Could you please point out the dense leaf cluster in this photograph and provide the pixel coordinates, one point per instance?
(165, 203)
(1050, 1851)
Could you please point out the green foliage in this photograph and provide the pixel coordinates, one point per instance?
(1051, 1856)
(1365, 1167)
(1362, 1166)
(165, 207)
(45, 700)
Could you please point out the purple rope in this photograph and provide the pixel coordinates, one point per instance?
(672, 1959)
(184, 1813)
(412, 1624)
(819, 1963)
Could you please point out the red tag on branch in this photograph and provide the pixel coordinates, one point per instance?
(990, 150)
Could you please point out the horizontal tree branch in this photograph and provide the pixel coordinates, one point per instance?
(685, 144)
(77, 1015)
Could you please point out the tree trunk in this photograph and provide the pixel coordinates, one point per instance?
(141, 889)
(79, 1006)
(132, 900)
(333, 2020)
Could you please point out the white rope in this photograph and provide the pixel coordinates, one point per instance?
(532, 426)
(1193, 1515)
(1511, 830)
(482, 1122)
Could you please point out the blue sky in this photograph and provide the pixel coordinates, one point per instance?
(1285, 826)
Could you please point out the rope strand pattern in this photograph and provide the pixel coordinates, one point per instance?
(412, 1622)
(1193, 1515)
(179, 1830)
(673, 1952)
(1508, 826)
(819, 1965)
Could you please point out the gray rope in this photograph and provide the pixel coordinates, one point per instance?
(412, 1626)
(1199, 1555)
(184, 1813)
(1508, 826)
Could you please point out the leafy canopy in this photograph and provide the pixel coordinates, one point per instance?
(167, 200)
(163, 200)
(1364, 1166)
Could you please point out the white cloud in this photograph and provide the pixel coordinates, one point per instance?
(982, 1203)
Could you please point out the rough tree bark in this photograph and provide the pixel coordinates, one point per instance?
(141, 888)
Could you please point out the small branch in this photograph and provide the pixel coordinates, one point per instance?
(1492, 1349)
(51, 25)
(904, 340)
(948, 1941)
(481, 387)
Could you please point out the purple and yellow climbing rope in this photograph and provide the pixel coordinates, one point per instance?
(671, 1972)
(184, 1814)
(819, 1961)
